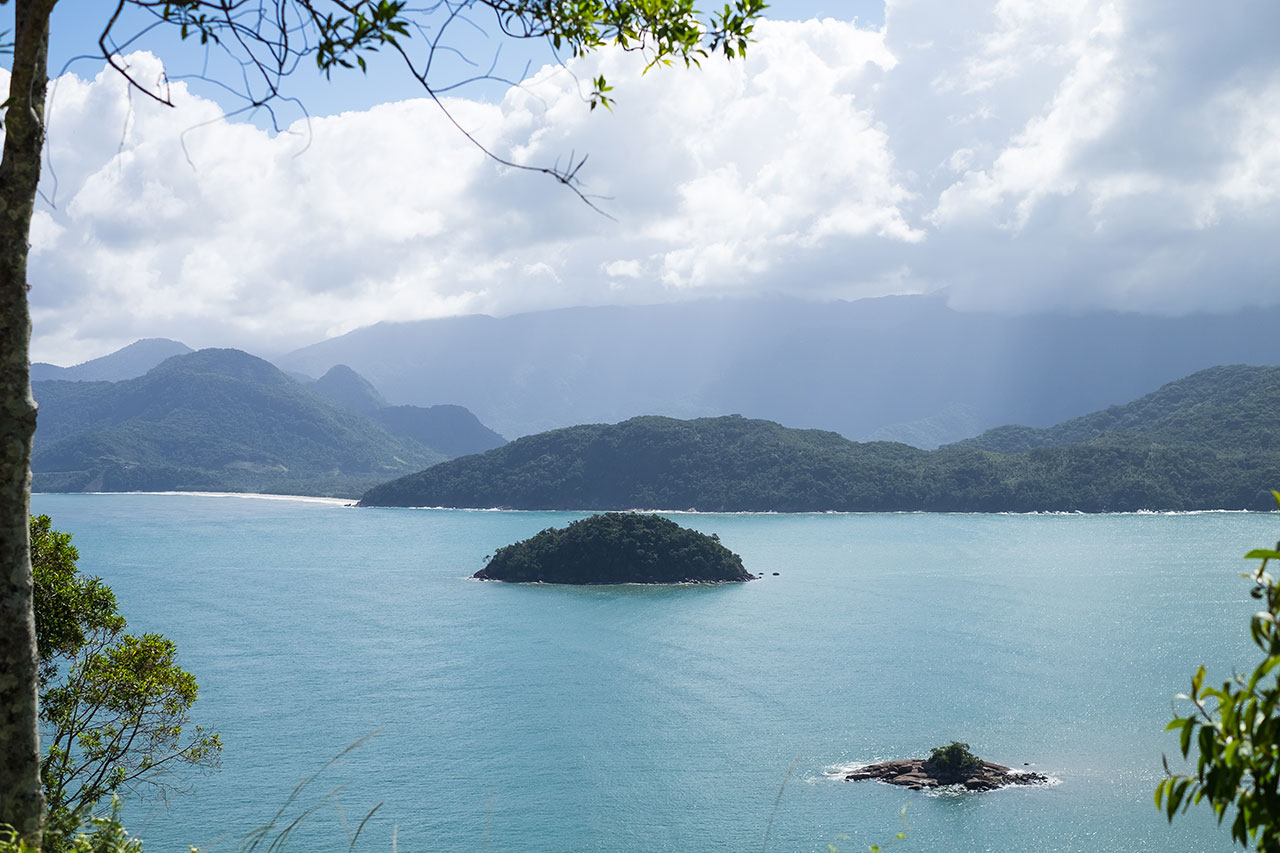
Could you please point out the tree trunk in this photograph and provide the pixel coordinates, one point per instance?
(21, 800)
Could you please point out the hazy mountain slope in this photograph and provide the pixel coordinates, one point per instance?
(1177, 449)
(451, 430)
(211, 419)
(125, 363)
(530, 372)
(852, 367)
(953, 423)
(1224, 408)
(343, 385)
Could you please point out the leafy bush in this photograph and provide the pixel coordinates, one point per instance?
(76, 832)
(113, 706)
(954, 759)
(1236, 731)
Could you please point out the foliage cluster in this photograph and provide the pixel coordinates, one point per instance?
(341, 35)
(68, 832)
(1235, 730)
(736, 464)
(954, 759)
(113, 706)
(617, 547)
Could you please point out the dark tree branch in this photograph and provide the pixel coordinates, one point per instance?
(269, 39)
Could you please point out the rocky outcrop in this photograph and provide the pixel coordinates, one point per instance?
(918, 775)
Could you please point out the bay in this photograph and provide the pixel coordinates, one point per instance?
(542, 718)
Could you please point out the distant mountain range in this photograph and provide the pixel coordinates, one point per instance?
(898, 368)
(131, 361)
(905, 369)
(226, 420)
(451, 430)
(1208, 441)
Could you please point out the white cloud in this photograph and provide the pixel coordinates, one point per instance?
(622, 269)
(1039, 159)
(1251, 177)
(1083, 153)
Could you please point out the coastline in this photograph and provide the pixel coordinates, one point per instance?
(354, 502)
(656, 511)
(247, 495)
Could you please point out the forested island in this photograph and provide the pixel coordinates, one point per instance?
(617, 547)
(1209, 441)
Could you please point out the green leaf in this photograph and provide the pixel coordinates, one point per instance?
(1235, 731)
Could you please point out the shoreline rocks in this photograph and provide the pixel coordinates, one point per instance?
(918, 775)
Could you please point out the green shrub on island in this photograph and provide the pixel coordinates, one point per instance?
(954, 759)
(617, 547)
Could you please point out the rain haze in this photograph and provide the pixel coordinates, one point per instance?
(1013, 157)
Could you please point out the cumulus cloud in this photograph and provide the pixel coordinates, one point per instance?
(1023, 155)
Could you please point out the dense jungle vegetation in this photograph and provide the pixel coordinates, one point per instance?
(1209, 441)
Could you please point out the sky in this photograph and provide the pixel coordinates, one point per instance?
(1017, 156)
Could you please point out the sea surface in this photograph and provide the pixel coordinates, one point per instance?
(545, 718)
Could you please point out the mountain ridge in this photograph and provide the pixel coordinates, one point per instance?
(736, 464)
(127, 362)
(1190, 410)
(889, 368)
(213, 419)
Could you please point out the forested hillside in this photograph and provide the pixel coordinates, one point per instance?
(451, 430)
(1210, 441)
(1229, 409)
(213, 419)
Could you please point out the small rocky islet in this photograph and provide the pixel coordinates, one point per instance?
(947, 766)
(617, 548)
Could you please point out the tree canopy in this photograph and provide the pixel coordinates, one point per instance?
(114, 706)
(1235, 731)
(617, 547)
(953, 759)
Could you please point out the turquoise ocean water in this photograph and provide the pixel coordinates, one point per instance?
(674, 719)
